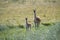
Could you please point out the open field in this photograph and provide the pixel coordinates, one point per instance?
(13, 14)
(51, 32)
(18, 13)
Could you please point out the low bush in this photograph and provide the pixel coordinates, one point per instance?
(11, 26)
(21, 26)
(46, 24)
(3, 27)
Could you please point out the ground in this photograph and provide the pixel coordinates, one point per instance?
(13, 14)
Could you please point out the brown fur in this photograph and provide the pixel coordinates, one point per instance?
(28, 25)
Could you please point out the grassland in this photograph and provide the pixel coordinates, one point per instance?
(12, 14)
(16, 13)
(42, 33)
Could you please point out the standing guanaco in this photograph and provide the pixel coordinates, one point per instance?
(37, 20)
(28, 25)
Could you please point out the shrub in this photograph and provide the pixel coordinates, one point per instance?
(15, 0)
(3, 27)
(11, 26)
(46, 24)
(44, 15)
(21, 26)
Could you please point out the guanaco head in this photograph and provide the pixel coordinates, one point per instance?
(34, 11)
(25, 18)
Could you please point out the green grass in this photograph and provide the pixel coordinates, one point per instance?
(13, 13)
(42, 33)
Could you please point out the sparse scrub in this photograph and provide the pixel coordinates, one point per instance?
(46, 24)
(21, 26)
(3, 27)
(44, 15)
(15, 0)
(16, 10)
(11, 26)
(46, 33)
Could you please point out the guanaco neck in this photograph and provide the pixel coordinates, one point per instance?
(26, 20)
(34, 14)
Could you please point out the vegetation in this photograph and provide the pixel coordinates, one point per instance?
(43, 32)
(21, 26)
(3, 27)
(14, 12)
